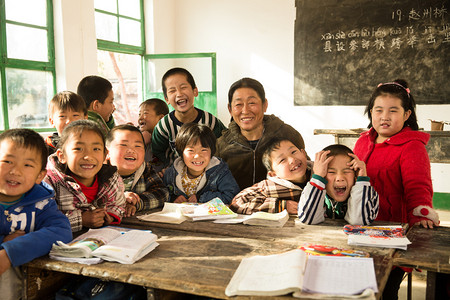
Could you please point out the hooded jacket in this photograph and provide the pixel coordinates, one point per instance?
(244, 162)
(399, 170)
(37, 214)
(216, 182)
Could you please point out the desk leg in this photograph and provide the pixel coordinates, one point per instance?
(431, 285)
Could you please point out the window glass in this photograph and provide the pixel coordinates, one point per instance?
(130, 32)
(106, 5)
(35, 12)
(130, 8)
(106, 27)
(26, 43)
(28, 93)
(2, 127)
(124, 72)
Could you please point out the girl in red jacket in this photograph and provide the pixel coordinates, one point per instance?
(397, 162)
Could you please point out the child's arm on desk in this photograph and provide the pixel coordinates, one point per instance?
(5, 262)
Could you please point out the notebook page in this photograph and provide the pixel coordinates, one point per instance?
(339, 275)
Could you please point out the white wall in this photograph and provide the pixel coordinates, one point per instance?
(252, 38)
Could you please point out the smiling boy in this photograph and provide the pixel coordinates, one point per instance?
(288, 172)
(339, 189)
(30, 221)
(144, 189)
(179, 90)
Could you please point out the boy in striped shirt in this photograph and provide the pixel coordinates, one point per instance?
(338, 189)
(179, 90)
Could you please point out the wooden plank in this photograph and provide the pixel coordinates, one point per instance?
(430, 250)
(203, 264)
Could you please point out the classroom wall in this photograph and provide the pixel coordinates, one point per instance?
(252, 38)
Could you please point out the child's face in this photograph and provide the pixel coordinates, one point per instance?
(341, 178)
(180, 93)
(20, 169)
(126, 151)
(388, 116)
(148, 118)
(84, 155)
(288, 162)
(107, 108)
(196, 157)
(61, 118)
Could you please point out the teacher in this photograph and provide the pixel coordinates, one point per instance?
(242, 144)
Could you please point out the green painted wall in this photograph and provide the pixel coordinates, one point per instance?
(441, 201)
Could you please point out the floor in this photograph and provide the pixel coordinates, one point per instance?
(419, 282)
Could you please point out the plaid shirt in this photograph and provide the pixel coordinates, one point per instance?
(269, 195)
(71, 200)
(150, 188)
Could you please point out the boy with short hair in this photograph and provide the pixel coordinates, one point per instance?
(99, 98)
(179, 90)
(30, 219)
(64, 108)
(144, 189)
(150, 112)
(288, 172)
(339, 189)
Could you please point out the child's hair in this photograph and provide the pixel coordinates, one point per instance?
(159, 106)
(67, 100)
(174, 71)
(77, 128)
(191, 133)
(247, 83)
(29, 139)
(94, 88)
(399, 89)
(338, 149)
(127, 127)
(270, 146)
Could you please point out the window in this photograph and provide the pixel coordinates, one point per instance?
(121, 44)
(27, 73)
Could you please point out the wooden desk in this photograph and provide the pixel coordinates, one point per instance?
(430, 251)
(438, 147)
(200, 258)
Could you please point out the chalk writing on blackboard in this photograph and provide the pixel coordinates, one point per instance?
(344, 48)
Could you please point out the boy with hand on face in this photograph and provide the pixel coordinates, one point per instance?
(338, 189)
(150, 112)
(30, 221)
(144, 189)
(64, 108)
(288, 172)
(179, 90)
(98, 95)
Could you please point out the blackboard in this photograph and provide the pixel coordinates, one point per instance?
(344, 48)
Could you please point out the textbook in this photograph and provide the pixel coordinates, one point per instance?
(296, 272)
(261, 218)
(171, 213)
(121, 245)
(211, 210)
(313, 249)
(377, 236)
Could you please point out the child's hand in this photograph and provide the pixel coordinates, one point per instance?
(131, 199)
(5, 262)
(321, 163)
(93, 218)
(193, 199)
(292, 207)
(427, 223)
(13, 235)
(180, 199)
(161, 173)
(107, 219)
(358, 165)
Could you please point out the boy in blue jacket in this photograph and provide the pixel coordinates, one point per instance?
(30, 221)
